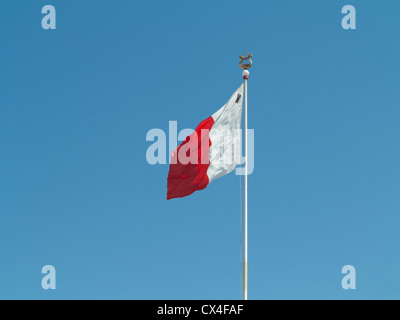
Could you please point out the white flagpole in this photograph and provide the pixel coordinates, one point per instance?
(245, 77)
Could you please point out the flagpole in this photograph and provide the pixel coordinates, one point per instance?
(245, 74)
(245, 77)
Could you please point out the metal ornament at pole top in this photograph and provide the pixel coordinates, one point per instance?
(245, 66)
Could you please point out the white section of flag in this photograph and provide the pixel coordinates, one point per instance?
(225, 137)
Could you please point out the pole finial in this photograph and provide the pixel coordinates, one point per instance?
(244, 58)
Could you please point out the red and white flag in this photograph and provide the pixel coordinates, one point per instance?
(210, 152)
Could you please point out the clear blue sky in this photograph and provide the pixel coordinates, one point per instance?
(76, 191)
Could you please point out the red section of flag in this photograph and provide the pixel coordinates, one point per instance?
(184, 179)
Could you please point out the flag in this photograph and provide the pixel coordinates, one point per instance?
(210, 152)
